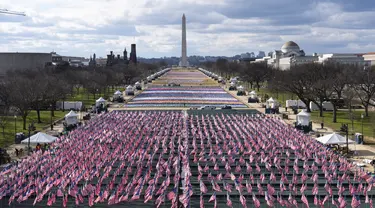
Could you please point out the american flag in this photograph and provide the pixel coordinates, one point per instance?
(229, 202)
(355, 202)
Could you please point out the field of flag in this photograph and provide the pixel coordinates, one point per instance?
(184, 97)
(176, 159)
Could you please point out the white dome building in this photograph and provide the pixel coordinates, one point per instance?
(290, 54)
(290, 46)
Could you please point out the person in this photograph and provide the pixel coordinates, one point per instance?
(37, 147)
(17, 152)
(322, 125)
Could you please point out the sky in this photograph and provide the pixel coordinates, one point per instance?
(214, 27)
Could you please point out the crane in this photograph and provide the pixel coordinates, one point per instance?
(5, 11)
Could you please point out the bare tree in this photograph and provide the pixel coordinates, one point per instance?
(364, 86)
(297, 81)
(23, 95)
(258, 73)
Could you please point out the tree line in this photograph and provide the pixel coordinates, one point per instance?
(311, 82)
(22, 91)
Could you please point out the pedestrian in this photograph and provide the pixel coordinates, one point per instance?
(17, 152)
(322, 125)
(38, 147)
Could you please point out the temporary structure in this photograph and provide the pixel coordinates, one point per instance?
(271, 103)
(100, 101)
(253, 94)
(129, 90)
(40, 138)
(333, 139)
(118, 92)
(71, 118)
(240, 88)
(303, 118)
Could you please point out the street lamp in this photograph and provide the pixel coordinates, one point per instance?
(31, 127)
(51, 117)
(362, 117)
(344, 128)
(15, 124)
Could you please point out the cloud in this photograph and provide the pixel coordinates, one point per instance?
(215, 27)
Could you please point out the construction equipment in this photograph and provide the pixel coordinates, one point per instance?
(5, 11)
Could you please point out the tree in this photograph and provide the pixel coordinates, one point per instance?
(4, 112)
(23, 95)
(296, 81)
(258, 73)
(364, 86)
(222, 67)
(322, 88)
(340, 84)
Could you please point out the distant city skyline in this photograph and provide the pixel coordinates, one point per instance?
(215, 27)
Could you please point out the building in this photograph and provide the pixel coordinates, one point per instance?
(291, 55)
(113, 60)
(56, 58)
(92, 61)
(370, 57)
(21, 61)
(344, 58)
(133, 54)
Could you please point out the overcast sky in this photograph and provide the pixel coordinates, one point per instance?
(214, 27)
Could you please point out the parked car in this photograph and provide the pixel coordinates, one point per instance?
(207, 107)
(227, 107)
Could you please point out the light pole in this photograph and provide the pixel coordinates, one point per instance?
(15, 125)
(344, 128)
(51, 117)
(362, 117)
(31, 127)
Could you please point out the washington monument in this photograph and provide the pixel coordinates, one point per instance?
(183, 62)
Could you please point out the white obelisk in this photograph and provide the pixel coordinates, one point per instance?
(183, 61)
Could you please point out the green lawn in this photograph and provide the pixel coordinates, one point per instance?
(10, 125)
(89, 100)
(281, 97)
(344, 117)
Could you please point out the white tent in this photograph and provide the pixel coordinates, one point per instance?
(303, 118)
(71, 118)
(240, 88)
(40, 138)
(232, 84)
(137, 84)
(333, 139)
(129, 90)
(253, 94)
(118, 92)
(100, 101)
(271, 103)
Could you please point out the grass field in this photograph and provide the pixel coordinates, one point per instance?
(89, 100)
(8, 139)
(343, 117)
(11, 124)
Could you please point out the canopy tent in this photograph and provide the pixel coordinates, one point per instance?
(118, 92)
(271, 103)
(100, 101)
(71, 118)
(303, 118)
(40, 138)
(253, 94)
(240, 88)
(232, 84)
(333, 139)
(129, 90)
(137, 84)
